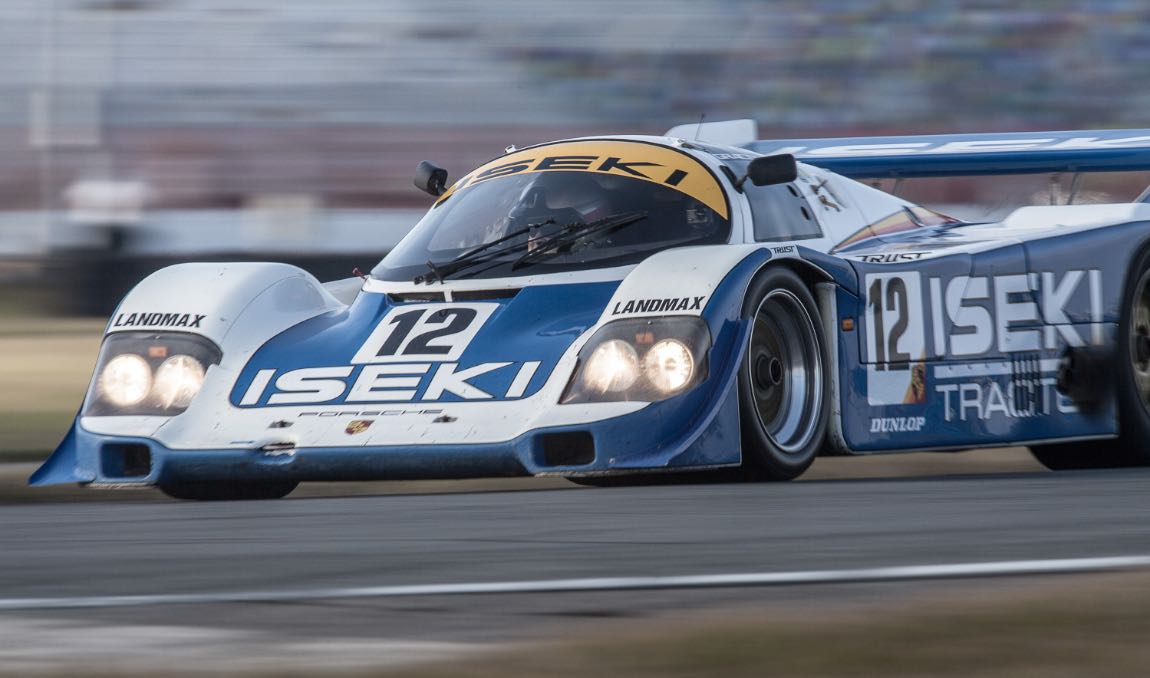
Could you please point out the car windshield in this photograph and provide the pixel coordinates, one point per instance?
(675, 199)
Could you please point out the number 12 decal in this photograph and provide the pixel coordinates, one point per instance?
(894, 333)
(425, 332)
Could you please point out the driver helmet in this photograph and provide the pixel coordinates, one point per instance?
(581, 193)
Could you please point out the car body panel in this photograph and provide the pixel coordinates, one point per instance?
(943, 335)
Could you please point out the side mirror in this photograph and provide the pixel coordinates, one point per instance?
(430, 179)
(770, 170)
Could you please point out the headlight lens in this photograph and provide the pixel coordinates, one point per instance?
(126, 380)
(146, 373)
(644, 359)
(178, 380)
(612, 367)
(669, 365)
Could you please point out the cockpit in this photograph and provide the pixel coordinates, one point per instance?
(565, 206)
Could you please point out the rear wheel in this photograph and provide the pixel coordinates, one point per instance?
(1132, 390)
(783, 381)
(228, 491)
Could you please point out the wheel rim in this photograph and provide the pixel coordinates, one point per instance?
(1140, 338)
(785, 369)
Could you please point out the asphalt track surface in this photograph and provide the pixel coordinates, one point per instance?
(113, 549)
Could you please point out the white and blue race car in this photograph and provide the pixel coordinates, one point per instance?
(615, 308)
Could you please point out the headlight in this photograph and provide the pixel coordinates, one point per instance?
(178, 380)
(613, 366)
(126, 380)
(669, 365)
(145, 373)
(644, 359)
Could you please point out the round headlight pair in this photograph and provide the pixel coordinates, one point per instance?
(127, 379)
(614, 366)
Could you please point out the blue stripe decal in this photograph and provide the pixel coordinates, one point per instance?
(536, 325)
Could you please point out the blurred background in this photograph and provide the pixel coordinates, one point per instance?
(139, 133)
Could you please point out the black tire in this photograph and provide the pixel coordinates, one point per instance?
(228, 491)
(784, 382)
(1131, 366)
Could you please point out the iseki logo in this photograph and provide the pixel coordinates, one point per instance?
(411, 356)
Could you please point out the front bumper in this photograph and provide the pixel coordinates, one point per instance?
(698, 430)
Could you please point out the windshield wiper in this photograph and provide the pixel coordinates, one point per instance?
(538, 249)
(571, 234)
(472, 256)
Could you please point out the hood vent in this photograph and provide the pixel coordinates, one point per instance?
(476, 295)
(404, 297)
(457, 295)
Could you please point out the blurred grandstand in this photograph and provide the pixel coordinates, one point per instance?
(181, 127)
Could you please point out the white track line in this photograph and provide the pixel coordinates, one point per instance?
(874, 574)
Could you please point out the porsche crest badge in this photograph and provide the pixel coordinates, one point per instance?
(357, 426)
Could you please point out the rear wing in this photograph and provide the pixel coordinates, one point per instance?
(950, 155)
(945, 155)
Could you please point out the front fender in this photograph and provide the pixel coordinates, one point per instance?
(236, 305)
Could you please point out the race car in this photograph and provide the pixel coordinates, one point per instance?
(702, 304)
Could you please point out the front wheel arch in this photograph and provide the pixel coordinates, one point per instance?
(784, 376)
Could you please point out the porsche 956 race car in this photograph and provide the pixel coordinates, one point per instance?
(602, 308)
